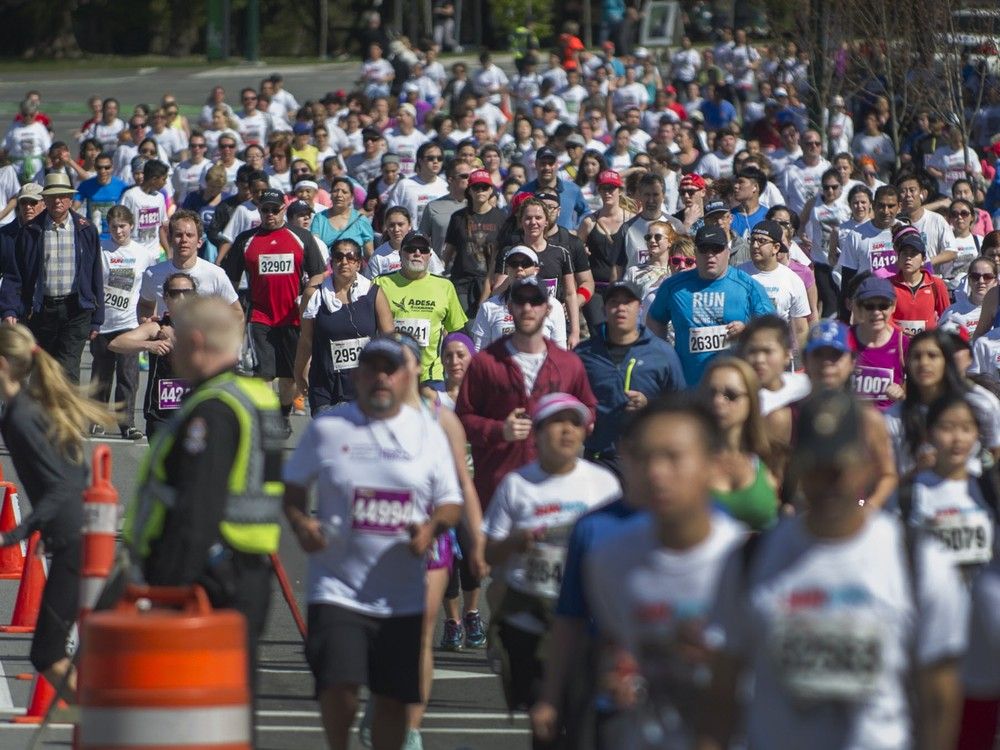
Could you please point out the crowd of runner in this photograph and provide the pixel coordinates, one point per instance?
(705, 396)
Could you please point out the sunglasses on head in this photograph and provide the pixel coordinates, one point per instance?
(338, 256)
(682, 260)
(873, 306)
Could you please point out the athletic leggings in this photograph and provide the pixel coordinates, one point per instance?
(460, 571)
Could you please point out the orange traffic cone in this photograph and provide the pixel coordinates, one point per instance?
(12, 556)
(42, 696)
(29, 593)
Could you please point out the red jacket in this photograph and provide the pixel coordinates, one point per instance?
(923, 305)
(493, 387)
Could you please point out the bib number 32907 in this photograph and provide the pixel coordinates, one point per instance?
(275, 265)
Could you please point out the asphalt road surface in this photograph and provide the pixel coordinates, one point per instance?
(466, 709)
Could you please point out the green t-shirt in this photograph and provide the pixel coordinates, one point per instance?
(425, 309)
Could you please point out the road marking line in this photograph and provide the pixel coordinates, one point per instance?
(423, 730)
(466, 716)
(439, 674)
(6, 701)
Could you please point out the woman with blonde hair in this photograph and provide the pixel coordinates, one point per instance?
(43, 427)
(744, 483)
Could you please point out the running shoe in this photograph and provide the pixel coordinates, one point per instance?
(452, 638)
(97, 430)
(132, 434)
(365, 728)
(413, 741)
(475, 631)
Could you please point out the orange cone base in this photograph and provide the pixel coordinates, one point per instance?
(41, 698)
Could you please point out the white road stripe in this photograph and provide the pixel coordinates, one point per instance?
(6, 702)
(439, 674)
(463, 716)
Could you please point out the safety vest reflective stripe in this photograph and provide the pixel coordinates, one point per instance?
(154, 727)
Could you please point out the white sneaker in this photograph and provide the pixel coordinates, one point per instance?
(413, 741)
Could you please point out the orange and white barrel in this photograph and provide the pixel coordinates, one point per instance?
(162, 677)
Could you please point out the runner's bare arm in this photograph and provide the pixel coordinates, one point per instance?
(883, 460)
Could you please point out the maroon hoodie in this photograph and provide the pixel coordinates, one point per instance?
(492, 389)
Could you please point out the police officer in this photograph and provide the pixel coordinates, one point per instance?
(207, 509)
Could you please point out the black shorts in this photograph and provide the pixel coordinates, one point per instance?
(275, 347)
(58, 611)
(348, 648)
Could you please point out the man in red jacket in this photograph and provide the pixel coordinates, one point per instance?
(503, 383)
(921, 296)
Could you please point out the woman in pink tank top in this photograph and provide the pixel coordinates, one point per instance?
(881, 346)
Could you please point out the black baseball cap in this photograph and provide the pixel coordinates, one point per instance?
(529, 288)
(545, 153)
(298, 208)
(770, 229)
(711, 237)
(629, 287)
(271, 197)
(414, 238)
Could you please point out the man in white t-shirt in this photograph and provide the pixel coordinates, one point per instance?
(255, 125)
(783, 286)
(834, 615)
(149, 207)
(652, 584)
(189, 175)
(415, 192)
(184, 232)
(801, 179)
(868, 247)
(245, 216)
(938, 237)
(527, 526)
(386, 486)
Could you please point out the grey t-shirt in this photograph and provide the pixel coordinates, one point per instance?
(435, 219)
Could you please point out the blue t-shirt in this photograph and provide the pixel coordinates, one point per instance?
(97, 197)
(590, 530)
(700, 309)
(358, 228)
(744, 223)
(572, 205)
(718, 114)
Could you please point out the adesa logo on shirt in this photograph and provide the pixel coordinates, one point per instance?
(412, 305)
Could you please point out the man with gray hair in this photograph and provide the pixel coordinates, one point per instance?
(27, 141)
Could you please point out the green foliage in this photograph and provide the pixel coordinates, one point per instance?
(509, 14)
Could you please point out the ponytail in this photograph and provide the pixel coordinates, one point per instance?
(70, 413)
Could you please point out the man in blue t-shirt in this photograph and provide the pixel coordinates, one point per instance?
(708, 306)
(98, 194)
(748, 213)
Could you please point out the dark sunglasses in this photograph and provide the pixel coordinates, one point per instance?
(267, 210)
(227, 145)
(682, 260)
(873, 306)
(982, 276)
(834, 186)
(481, 188)
(651, 237)
(338, 256)
(526, 263)
(688, 191)
(811, 143)
(421, 250)
(960, 214)
(198, 145)
(533, 300)
(727, 393)
(102, 167)
(174, 293)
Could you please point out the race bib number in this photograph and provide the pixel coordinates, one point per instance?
(170, 393)
(912, 327)
(344, 354)
(121, 278)
(641, 256)
(824, 657)
(708, 339)
(552, 285)
(117, 300)
(147, 223)
(418, 329)
(385, 512)
(883, 258)
(543, 570)
(872, 382)
(276, 265)
(968, 535)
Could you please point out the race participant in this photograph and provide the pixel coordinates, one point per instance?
(801, 179)
(663, 257)
(633, 251)
(527, 526)
(149, 207)
(781, 284)
(405, 139)
(827, 212)
(745, 479)
(932, 226)
(437, 213)
(342, 221)
(415, 192)
(708, 306)
(572, 205)
(189, 175)
(124, 261)
(245, 216)
(868, 247)
(981, 712)
(164, 389)
(830, 364)
(947, 500)
(765, 345)
(748, 211)
(28, 202)
(884, 609)
(494, 319)
(470, 246)
(981, 277)
(228, 142)
(207, 507)
(206, 201)
(396, 491)
(932, 373)
(26, 142)
(859, 199)
(962, 215)
(95, 196)
(106, 130)
(921, 296)
(717, 214)
(627, 367)
(339, 318)
(255, 126)
(424, 306)
(386, 258)
(880, 345)
(43, 424)
(554, 261)
(184, 231)
(276, 258)
(652, 584)
(506, 380)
